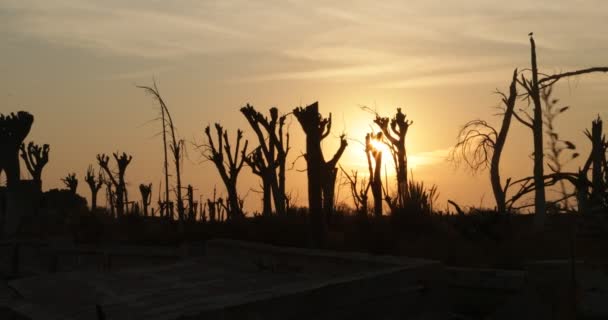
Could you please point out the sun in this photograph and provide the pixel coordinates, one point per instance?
(413, 161)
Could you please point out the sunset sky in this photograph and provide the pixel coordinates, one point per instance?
(75, 64)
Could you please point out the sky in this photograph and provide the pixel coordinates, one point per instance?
(75, 65)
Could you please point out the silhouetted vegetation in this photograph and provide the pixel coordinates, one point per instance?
(269, 158)
(35, 158)
(94, 184)
(321, 173)
(71, 182)
(228, 164)
(405, 221)
(117, 180)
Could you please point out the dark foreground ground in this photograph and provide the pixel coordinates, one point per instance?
(482, 239)
(491, 261)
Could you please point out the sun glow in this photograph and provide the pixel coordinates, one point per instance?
(413, 161)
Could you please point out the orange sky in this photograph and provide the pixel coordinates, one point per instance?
(75, 64)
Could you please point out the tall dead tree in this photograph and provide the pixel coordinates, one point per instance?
(321, 173)
(94, 184)
(228, 164)
(274, 147)
(480, 145)
(35, 158)
(176, 148)
(375, 169)
(117, 179)
(146, 196)
(71, 182)
(395, 131)
(533, 89)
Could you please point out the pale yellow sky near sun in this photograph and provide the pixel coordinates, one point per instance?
(75, 65)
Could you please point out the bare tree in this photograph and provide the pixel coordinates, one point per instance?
(256, 161)
(375, 169)
(321, 173)
(71, 182)
(533, 89)
(176, 147)
(94, 184)
(118, 182)
(395, 131)
(13, 130)
(35, 158)
(228, 164)
(597, 199)
(359, 190)
(146, 196)
(270, 157)
(480, 145)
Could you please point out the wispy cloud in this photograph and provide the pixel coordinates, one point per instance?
(314, 39)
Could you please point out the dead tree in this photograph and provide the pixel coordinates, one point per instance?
(228, 164)
(256, 161)
(110, 196)
(146, 196)
(13, 130)
(375, 170)
(35, 158)
(71, 182)
(94, 184)
(533, 89)
(598, 198)
(192, 205)
(321, 173)
(395, 131)
(176, 147)
(480, 146)
(358, 190)
(118, 181)
(274, 147)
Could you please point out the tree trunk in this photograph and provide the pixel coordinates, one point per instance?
(501, 139)
(376, 185)
(267, 201)
(539, 198)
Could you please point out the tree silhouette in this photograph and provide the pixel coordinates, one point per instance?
(480, 145)
(146, 196)
(268, 160)
(395, 131)
(35, 158)
(118, 179)
(192, 205)
(256, 161)
(375, 170)
(176, 147)
(533, 89)
(597, 199)
(228, 164)
(358, 190)
(71, 182)
(321, 174)
(94, 184)
(13, 130)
